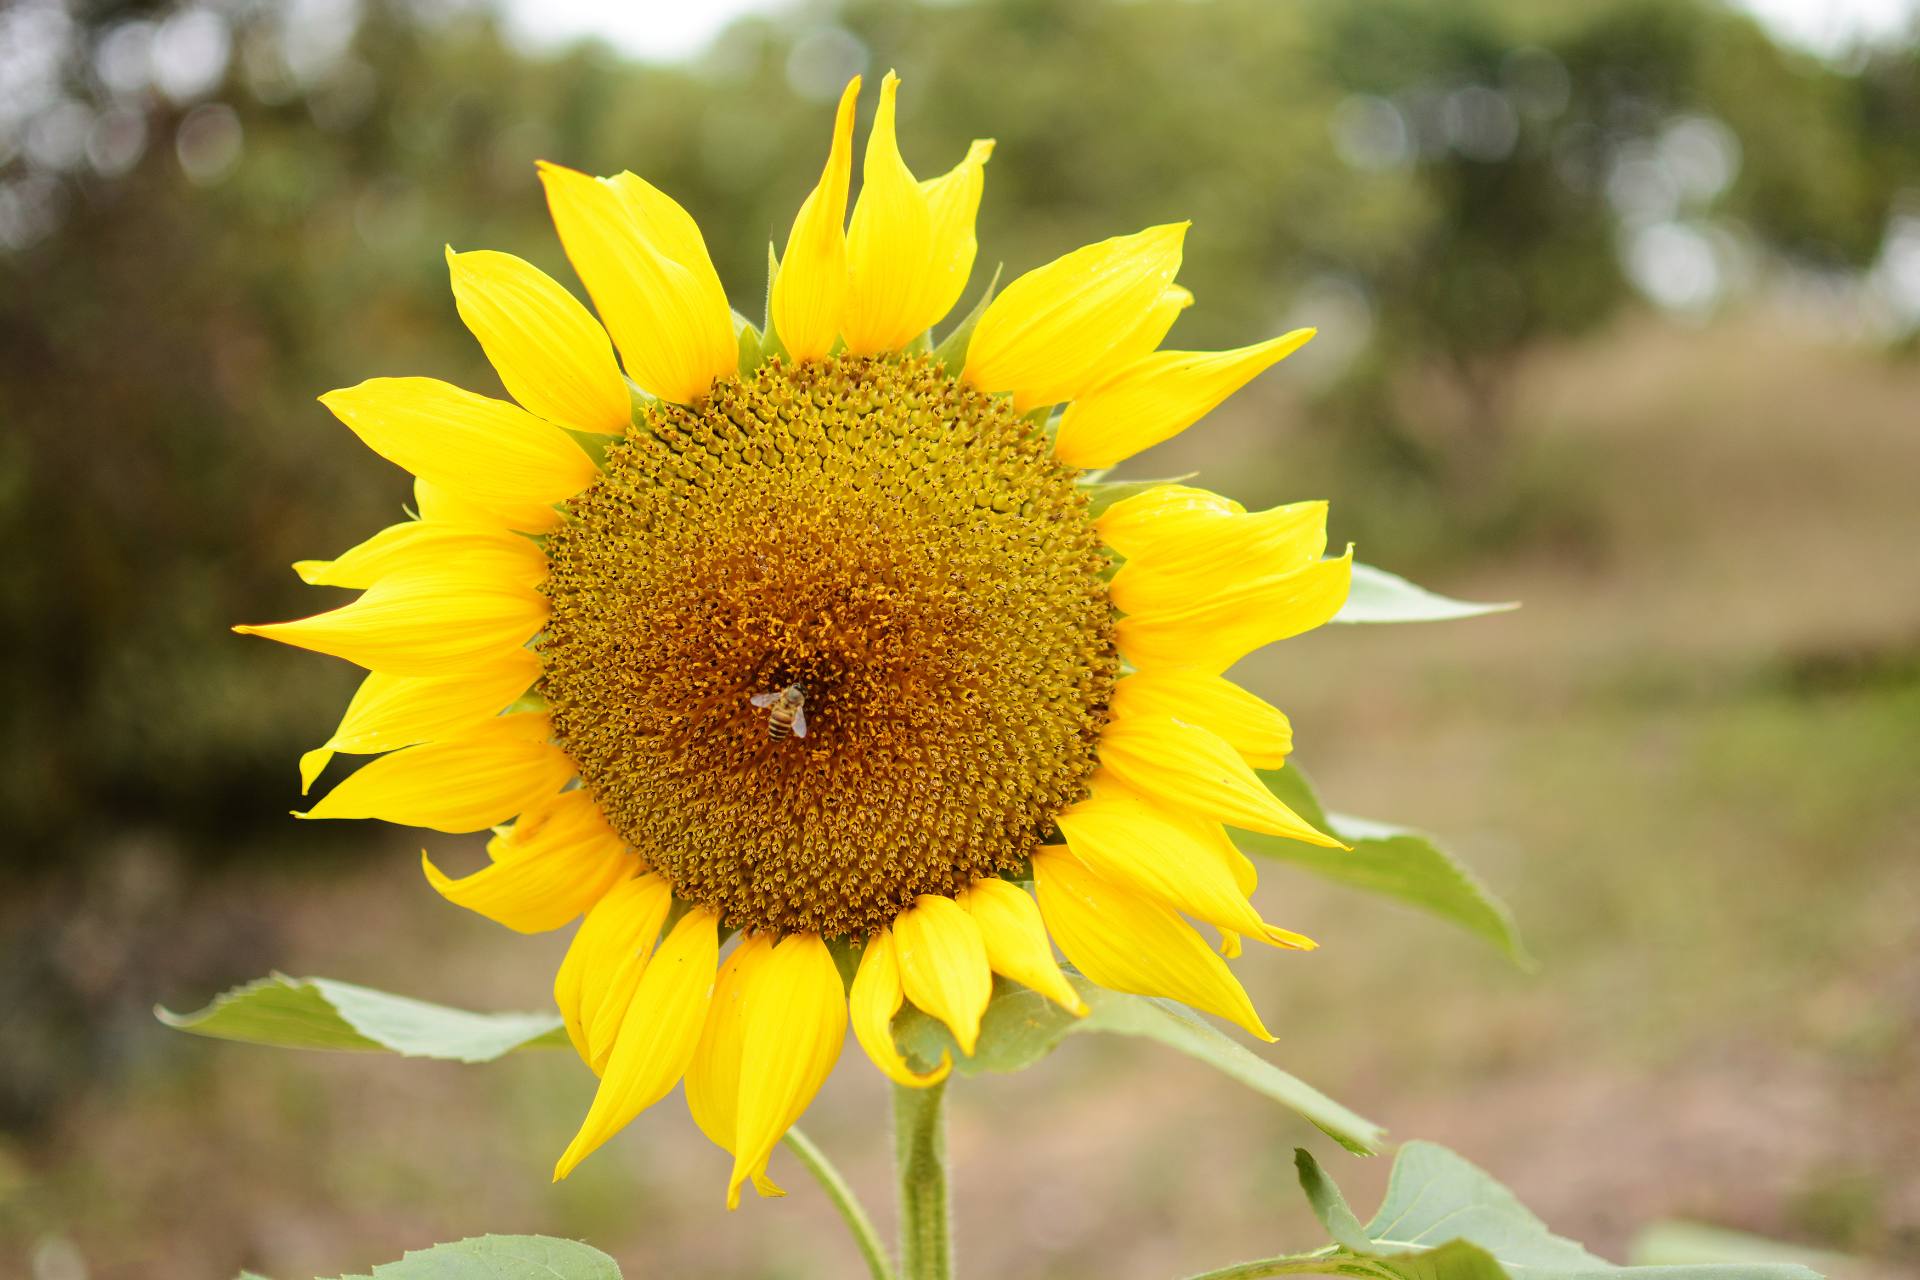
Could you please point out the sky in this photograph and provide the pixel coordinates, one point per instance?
(671, 30)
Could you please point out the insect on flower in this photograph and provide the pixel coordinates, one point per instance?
(786, 711)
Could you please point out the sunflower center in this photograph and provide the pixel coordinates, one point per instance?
(865, 541)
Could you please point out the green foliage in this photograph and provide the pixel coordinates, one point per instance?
(1021, 1027)
(1391, 861)
(320, 1013)
(1444, 1219)
(1379, 596)
(500, 1258)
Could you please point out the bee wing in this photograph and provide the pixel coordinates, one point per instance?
(799, 724)
(763, 699)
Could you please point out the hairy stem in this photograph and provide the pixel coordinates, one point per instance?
(879, 1266)
(920, 1157)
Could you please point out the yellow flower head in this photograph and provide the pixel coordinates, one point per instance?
(827, 649)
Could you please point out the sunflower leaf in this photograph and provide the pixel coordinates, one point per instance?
(1395, 862)
(500, 1258)
(1379, 596)
(320, 1013)
(1445, 1219)
(1021, 1027)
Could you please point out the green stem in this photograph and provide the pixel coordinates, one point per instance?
(878, 1265)
(920, 1157)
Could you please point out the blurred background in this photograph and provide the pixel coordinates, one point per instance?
(1618, 306)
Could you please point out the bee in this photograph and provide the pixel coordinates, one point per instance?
(786, 711)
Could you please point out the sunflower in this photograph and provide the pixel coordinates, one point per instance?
(809, 667)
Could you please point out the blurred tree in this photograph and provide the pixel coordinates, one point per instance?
(211, 212)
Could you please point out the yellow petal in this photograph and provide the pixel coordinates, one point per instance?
(667, 313)
(547, 869)
(1165, 854)
(1016, 940)
(478, 550)
(1127, 942)
(1158, 397)
(943, 965)
(1132, 525)
(1178, 561)
(551, 354)
(1216, 632)
(953, 201)
(419, 624)
(1257, 730)
(442, 506)
(485, 451)
(810, 288)
(607, 955)
(1189, 767)
(875, 997)
(657, 1035)
(889, 244)
(389, 712)
(1143, 339)
(469, 782)
(1049, 331)
(713, 1077)
(795, 1022)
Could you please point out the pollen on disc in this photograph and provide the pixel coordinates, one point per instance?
(901, 548)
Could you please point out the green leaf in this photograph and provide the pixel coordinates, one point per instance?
(1379, 596)
(1395, 862)
(1328, 1204)
(1021, 1027)
(500, 1258)
(952, 351)
(1102, 494)
(1445, 1219)
(1673, 1242)
(320, 1013)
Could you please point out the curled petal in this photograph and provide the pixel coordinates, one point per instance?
(1049, 334)
(549, 351)
(546, 870)
(795, 1022)
(1016, 940)
(875, 997)
(1188, 767)
(953, 200)
(889, 244)
(485, 452)
(607, 954)
(646, 268)
(1214, 633)
(419, 624)
(1158, 397)
(388, 712)
(810, 287)
(1259, 731)
(1128, 942)
(477, 780)
(419, 545)
(657, 1035)
(1180, 560)
(943, 965)
(713, 1078)
(1166, 854)
(1133, 525)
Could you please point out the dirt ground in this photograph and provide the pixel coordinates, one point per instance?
(1687, 763)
